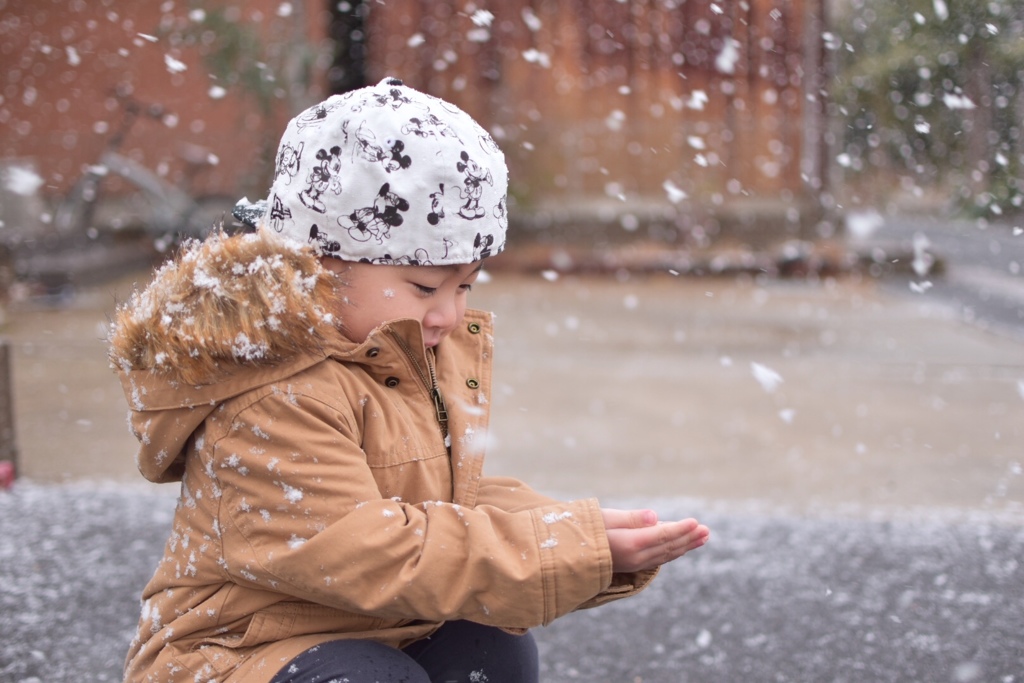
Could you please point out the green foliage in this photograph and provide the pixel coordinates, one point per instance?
(239, 54)
(933, 91)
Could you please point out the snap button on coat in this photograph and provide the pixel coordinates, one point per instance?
(391, 382)
(472, 383)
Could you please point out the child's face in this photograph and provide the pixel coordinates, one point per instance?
(374, 294)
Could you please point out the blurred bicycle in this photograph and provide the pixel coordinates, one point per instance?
(167, 212)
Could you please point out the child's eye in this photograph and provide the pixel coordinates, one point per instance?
(424, 289)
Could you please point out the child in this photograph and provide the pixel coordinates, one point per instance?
(321, 391)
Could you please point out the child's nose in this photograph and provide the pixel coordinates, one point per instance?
(443, 315)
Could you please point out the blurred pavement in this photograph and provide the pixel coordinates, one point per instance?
(653, 385)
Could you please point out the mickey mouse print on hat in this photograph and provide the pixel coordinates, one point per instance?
(387, 174)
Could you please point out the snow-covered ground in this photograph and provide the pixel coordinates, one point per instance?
(925, 595)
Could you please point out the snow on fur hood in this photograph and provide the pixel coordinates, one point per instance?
(225, 316)
(223, 303)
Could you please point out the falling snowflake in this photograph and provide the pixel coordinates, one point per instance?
(955, 101)
(175, 66)
(768, 378)
(726, 60)
(530, 19)
(482, 17)
(535, 56)
(675, 195)
(22, 181)
(698, 98)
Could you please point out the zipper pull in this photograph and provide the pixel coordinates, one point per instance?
(440, 407)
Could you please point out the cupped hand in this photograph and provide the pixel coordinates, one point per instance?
(639, 541)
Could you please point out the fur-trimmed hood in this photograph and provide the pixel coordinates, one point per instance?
(224, 316)
(250, 299)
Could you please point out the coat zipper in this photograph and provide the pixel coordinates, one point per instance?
(429, 379)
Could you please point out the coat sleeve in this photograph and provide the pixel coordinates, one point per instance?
(300, 514)
(513, 495)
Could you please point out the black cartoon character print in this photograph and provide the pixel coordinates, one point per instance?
(325, 244)
(279, 213)
(315, 115)
(475, 177)
(429, 126)
(288, 161)
(420, 258)
(377, 220)
(487, 143)
(501, 213)
(393, 98)
(436, 205)
(482, 246)
(322, 178)
(390, 155)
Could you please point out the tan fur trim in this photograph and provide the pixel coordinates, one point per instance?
(225, 302)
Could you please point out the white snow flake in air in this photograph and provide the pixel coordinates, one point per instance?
(920, 287)
(923, 260)
(698, 98)
(862, 225)
(726, 60)
(482, 17)
(535, 56)
(549, 275)
(954, 101)
(941, 11)
(703, 638)
(615, 119)
(415, 40)
(216, 92)
(284, 9)
(787, 415)
(175, 66)
(531, 20)
(22, 181)
(73, 57)
(1020, 387)
(675, 195)
(766, 377)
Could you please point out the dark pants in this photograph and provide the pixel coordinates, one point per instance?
(459, 652)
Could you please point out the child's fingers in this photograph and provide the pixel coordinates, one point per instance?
(670, 541)
(628, 519)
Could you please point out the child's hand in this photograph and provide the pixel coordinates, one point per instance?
(639, 541)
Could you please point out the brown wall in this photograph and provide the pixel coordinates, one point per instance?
(616, 110)
(612, 115)
(64, 59)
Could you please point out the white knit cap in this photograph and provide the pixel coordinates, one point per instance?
(387, 174)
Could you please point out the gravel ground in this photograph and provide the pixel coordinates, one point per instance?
(925, 595)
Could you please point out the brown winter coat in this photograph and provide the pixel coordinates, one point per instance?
(321, 497)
